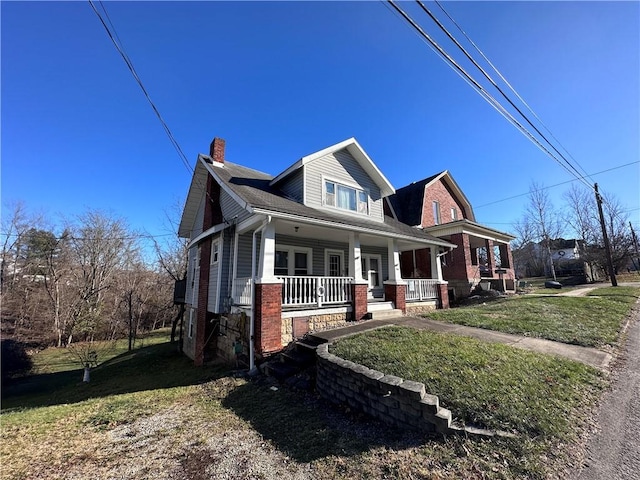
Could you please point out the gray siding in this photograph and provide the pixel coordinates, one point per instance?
(341, 167)
(293, 186)
(244, 254)
(231, 208)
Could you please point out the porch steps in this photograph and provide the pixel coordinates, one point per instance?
(385, 314)
(295, 366)
(378, 306)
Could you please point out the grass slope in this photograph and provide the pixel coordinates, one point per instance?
(593, 321)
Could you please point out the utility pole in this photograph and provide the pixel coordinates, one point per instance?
(607, 247)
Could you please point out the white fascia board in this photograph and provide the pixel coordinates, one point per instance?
(211, 231)
(351, 228)
(237, 198)
(192, 203)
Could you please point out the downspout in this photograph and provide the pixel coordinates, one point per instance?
(252, 366)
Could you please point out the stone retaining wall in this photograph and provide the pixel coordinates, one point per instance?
(418, 308)
(394, 401)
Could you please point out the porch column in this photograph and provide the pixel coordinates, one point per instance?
(395, 287)
(267, 254)
(359, 287)
(267, 313)
(491, 259)
(267, 297)
(355, 265)
(436, 265)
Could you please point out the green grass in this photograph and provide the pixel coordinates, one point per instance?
(543, 399)
(593, 321)
(55, 426)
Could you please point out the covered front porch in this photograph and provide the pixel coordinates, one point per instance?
(293, 277)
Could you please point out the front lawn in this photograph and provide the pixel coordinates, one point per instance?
(150, 414)
(543, 399)
(592, 321)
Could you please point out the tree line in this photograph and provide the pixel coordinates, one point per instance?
(84, 279)
(543, 224)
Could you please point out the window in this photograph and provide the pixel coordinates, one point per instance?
(282, 262)
(292, 261)
(436, 213)
(215, 251)
(454, 213)
(192, 314)
(347, 198)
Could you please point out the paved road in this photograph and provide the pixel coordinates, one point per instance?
(613, 453)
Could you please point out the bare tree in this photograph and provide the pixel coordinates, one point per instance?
(543, 221)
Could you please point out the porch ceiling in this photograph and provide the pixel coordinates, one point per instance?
(335, 234)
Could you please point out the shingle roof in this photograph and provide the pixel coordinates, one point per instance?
(253, 187)
(407, 201)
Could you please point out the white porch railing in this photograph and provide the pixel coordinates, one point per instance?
(300, 291)
(242, 291)
(419, 289)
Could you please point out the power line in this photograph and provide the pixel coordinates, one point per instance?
(497, 87)
(132, 69)
(555, 185)
(480, 90)
(495, 69)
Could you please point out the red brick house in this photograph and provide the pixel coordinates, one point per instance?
(272, 257)
(438, 206)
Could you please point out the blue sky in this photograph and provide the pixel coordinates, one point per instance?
(278, 81)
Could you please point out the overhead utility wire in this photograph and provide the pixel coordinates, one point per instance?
(488, 97)
(495, 69)
(497, 87)
(129, 64)
(556, 185)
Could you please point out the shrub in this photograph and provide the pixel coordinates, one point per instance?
(15, 360)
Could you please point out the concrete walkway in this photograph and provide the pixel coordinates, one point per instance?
(590, 356)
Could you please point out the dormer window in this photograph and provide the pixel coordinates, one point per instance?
(347, 198)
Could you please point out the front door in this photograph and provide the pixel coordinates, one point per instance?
(371, 271)
(335, 262)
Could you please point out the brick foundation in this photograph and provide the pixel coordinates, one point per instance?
(443, 295)
(268, 317)
(359, 296)
(396, 294)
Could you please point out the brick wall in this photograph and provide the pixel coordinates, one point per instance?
(397, 295)
(359, 296)
(443, 295)
(394, 401)
(203, 299)
(268, 317)
(440, 192)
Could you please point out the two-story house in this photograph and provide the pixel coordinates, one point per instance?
(272, 257)
(439, 207)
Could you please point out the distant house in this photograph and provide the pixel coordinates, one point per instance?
(272, 257)
(438, 206)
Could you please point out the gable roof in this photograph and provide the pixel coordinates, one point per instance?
(408, 201)
(357, 152)
(255, 192)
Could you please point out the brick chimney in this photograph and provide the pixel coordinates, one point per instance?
(216, 150)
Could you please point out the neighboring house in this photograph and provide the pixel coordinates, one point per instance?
(271, 258)
(439, 207)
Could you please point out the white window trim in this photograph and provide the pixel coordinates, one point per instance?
(437, 214)
(327, 253)
(355, 186)
(190, 328)
(291, 265)
(215, 243)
